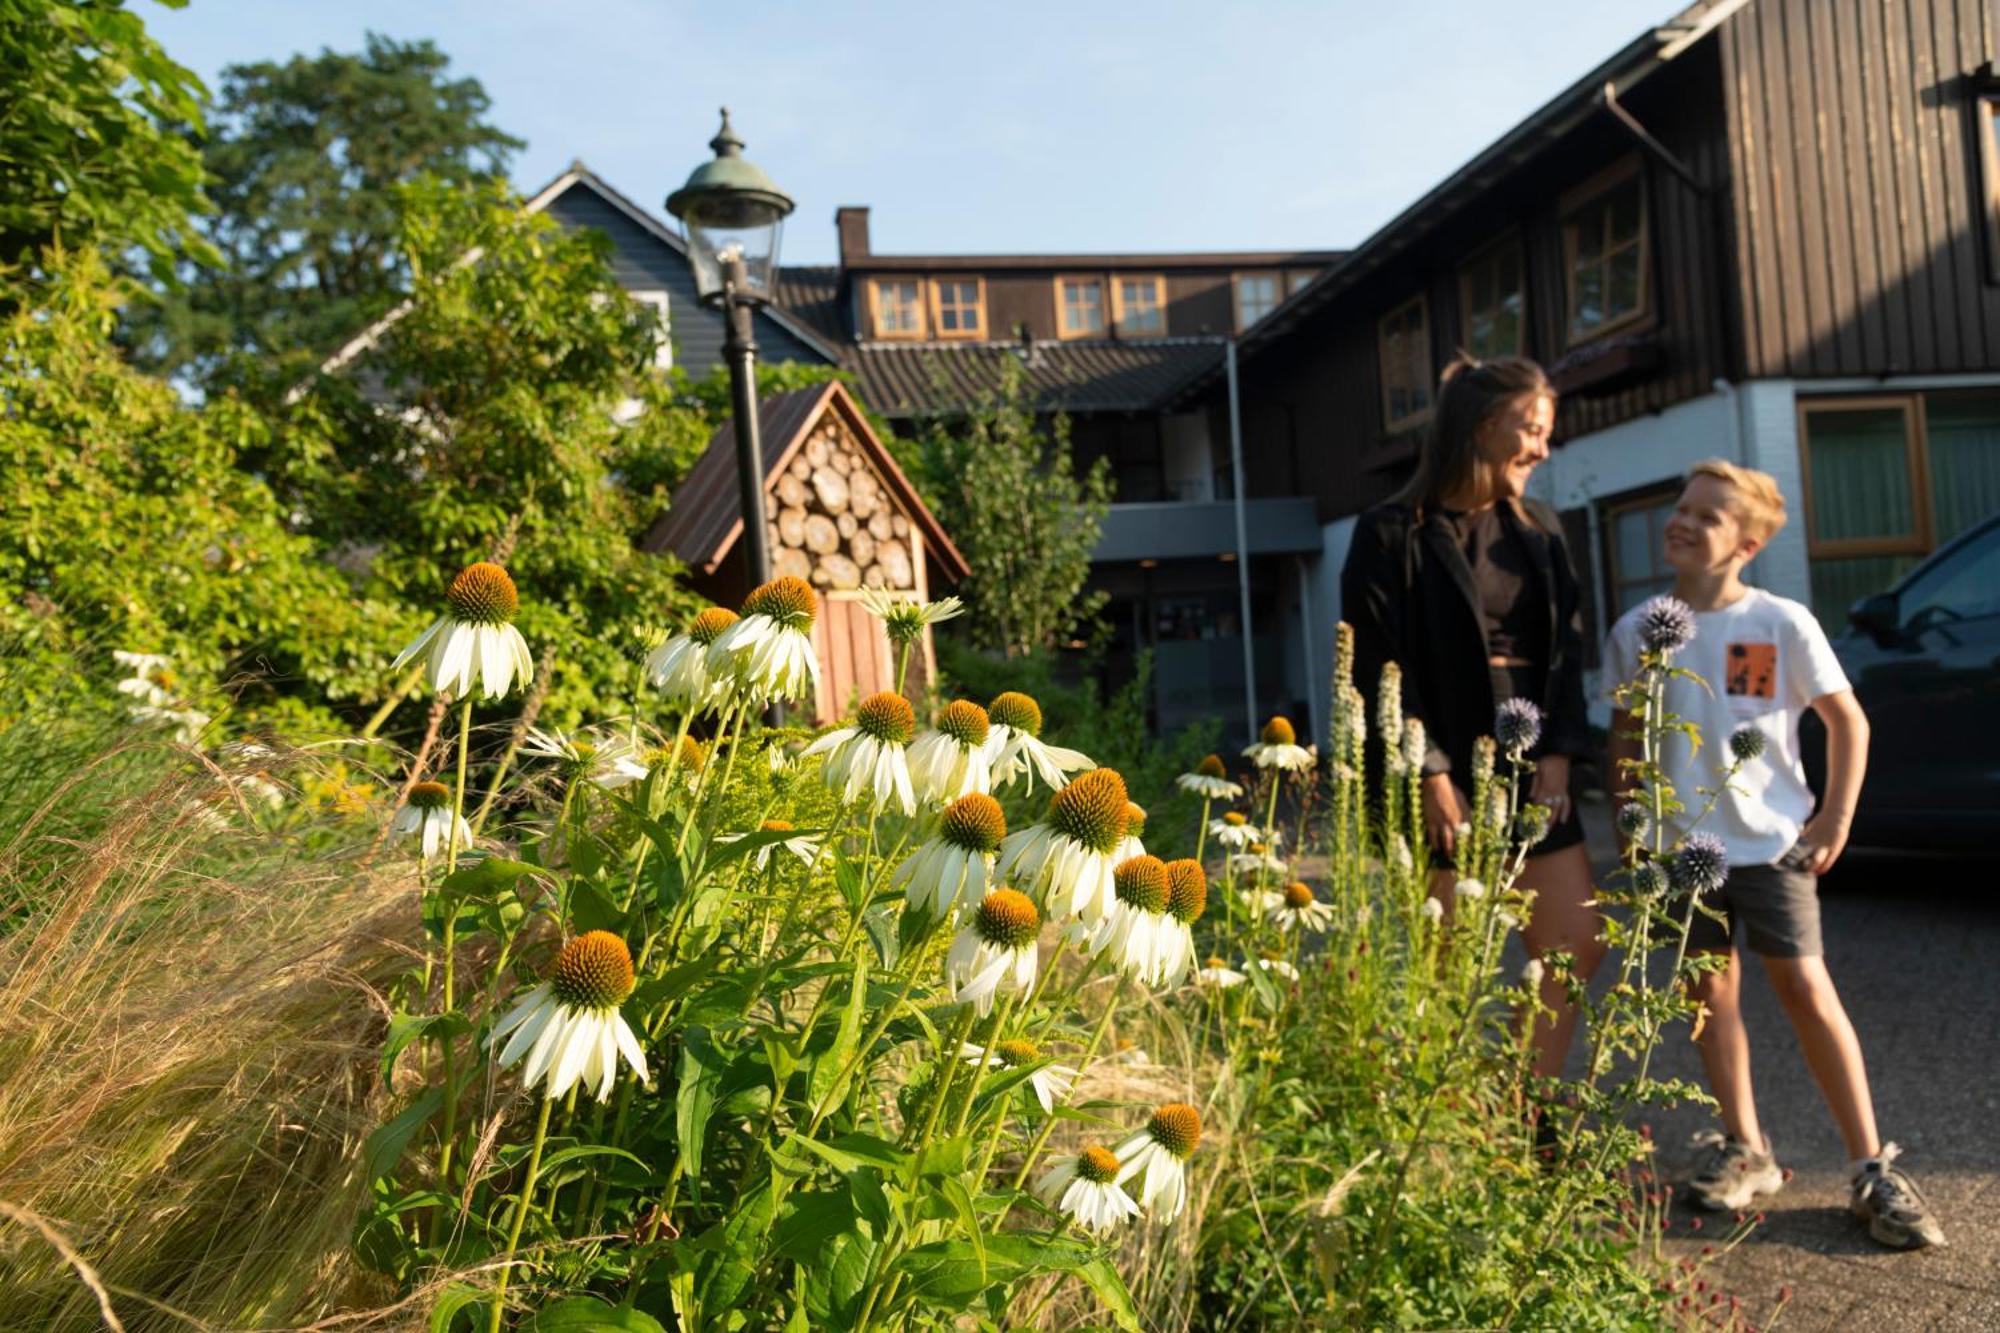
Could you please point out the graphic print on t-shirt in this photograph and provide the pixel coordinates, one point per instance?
(1753, 670)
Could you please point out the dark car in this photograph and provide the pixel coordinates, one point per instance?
(1924, 659)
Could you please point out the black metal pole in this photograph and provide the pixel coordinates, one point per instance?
(739, 348)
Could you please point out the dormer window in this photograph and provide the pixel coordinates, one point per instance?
(899, 307)
(1256, 297)
(1142, 306)
(958, 307)
(1080, 307)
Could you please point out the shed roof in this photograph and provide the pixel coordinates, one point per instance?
(706, 518)
(928, 379)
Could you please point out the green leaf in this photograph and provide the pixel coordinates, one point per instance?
(1265, 988)
(591, 908)
(486, 876)
(834, 1069)
(1103, 1278)
(585, 1314)
(722, 853)
(700, 1074)
(960, 1199)
(582, 1150)
(812, 1219)
(856, 1152)
(847, 878)
(384, 1148)
(447, 1304)
(405, 1028)
(662, 990)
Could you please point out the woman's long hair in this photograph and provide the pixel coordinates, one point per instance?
(1470, 392)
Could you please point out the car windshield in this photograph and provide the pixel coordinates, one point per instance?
(1963, 586)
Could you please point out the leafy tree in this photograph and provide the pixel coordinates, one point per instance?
(305, 161)
(93, 146)
(1006, 488)
(131, 525)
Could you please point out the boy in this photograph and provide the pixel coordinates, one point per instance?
(1766, 661)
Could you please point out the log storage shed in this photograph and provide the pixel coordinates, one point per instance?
(841, 515)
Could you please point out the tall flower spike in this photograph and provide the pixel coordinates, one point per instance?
(769, 653)
(569, 1026)
(474, 645)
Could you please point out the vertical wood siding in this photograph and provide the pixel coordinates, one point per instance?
(1858, 202)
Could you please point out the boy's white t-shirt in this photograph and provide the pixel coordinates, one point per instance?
(1765, 659)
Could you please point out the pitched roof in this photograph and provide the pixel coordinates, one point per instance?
(811, 292)
(901, 380)
(706, 518)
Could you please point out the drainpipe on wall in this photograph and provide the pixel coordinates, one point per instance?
(1242, 543)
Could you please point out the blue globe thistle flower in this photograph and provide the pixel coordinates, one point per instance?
(1746, 743)
(1666, 625)
(1517, 725)
(1633, 820)
(1700, 864)
(1531, 824)
(1648, 880)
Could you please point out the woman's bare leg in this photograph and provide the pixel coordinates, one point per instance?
(1562, 919)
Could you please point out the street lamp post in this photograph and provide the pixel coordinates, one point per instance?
(732, 216)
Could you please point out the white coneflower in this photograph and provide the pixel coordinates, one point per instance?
(608, 762)
(1131, 844)
(1130, 934)
(1217, 972)
(474, 644)
(156, 690)
(1187, 899)
(1233, 832)
(1085, 1188)
(569, 1026)
(1051, 1082)
(678, 668)
(1276, 964)
(1295, 908)
(955, 864)
(904, 615)
(1159, 1154)
(1017, 750)
(950, 759)
(1257, 861)
(995, 950)
(870, 759)
(1468, 888)
(1210, 781)
(768, 654)
(1278, 748)
(427, 817)
(805, 846)
(1066, 859)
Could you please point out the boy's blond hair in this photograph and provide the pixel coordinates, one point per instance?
(1758, 503)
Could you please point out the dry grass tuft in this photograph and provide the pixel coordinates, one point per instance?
(190, 1016)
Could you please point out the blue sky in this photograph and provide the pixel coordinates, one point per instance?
(1017, 127)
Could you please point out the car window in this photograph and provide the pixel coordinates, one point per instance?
(1963, 586)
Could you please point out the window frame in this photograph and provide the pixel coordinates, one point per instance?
(1574, 201)
(1915, 458)
(1392, 425)
(1509, 239)
(660, 301)
(1652, 496)
(875, 324)
(1275, 278)
(1986, 124)
(1118, 281)
(935, 288)
(1063, 331)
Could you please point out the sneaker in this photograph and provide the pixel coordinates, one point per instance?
(1730, 1175)
(1886, 1199)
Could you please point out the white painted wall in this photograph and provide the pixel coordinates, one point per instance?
(1323, 598)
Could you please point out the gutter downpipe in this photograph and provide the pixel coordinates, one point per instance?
(1242, 543)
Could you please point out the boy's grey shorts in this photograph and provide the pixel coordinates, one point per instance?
(1775, 907)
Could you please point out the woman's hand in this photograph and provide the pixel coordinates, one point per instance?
(1444, 810)
(1551, 786)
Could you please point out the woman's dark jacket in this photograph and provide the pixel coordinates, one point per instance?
(1408, 592)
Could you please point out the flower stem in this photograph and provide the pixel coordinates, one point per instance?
(1201, 832)
(450, 954)
(1082, 1067)
(520, 1216)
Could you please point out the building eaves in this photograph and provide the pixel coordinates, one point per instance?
(914, 380)
(874, 263)
(1630, 66)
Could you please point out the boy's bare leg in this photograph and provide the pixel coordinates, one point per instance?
(1562, 919)
(1725, 1052)
(1832, 1051)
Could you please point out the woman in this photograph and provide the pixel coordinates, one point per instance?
(1467, 584)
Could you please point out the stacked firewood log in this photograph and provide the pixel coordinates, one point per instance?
(835, 523)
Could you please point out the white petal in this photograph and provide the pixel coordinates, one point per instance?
(416, 645)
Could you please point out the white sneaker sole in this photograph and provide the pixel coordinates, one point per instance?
(1742, 1192)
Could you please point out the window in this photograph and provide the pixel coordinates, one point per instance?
(1635, 549)
(899, 308)
(1256, 297)
(663, 351)
(1405, 346)
(1605, 253)
(1296, 280)
(1141, 307)
(1489, 294)
(1079, 307)
(958, 307)
(1989, 157)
